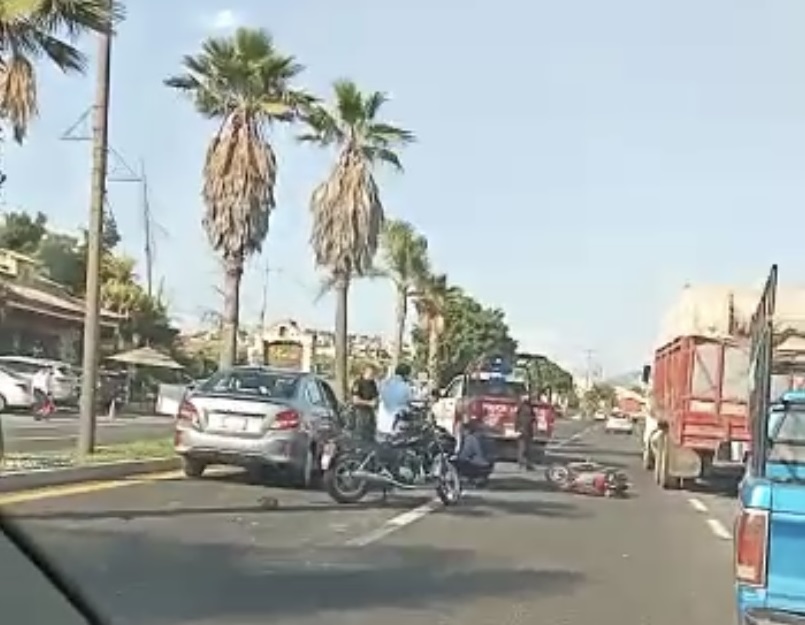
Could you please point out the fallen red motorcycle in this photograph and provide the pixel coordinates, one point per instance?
(588, 478)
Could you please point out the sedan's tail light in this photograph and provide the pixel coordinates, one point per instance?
(751, 546)
(286, 420)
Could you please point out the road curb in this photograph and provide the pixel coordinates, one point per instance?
(41, 478)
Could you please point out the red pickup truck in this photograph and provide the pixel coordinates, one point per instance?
(495, 400)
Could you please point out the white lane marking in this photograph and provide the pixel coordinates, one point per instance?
(571, 439)
(717, 527)
(398, 522)
(416, 514)
(697, 504)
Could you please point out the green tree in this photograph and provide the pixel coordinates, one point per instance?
(63, 260)
(404, 262)
(553, 382)
(22, 233)
(347, 209)
(30, 29)
(599, 396)
(470, 331)
(245, 84)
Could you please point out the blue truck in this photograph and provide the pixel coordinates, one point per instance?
(769, 538)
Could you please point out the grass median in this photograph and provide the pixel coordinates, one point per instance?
(148, 449)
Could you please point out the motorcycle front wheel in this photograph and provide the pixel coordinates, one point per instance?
(558, 474)
(448, 481)
(340, 483)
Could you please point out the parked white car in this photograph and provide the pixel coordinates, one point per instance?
(15, 391)
(65, 379)
(620, 424)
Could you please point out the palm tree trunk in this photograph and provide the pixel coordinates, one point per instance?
(233, 272)
(341, 347)
(401, 315)
(433, 355)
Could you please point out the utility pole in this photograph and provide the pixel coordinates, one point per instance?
(100, 144)
(589, 368)
(264, 305)
(149, 252)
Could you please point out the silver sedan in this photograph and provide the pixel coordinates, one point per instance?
(256, 417)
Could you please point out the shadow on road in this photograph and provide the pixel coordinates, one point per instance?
(718, 486)
(483, 506)
(592, 455)
(138, 578)
(268, 505)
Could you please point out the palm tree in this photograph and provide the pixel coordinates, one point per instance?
(29, 30)
(405, 263)
(245, 84)
(347, 209)
(431, 304)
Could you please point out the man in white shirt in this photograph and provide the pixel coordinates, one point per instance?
(395, 396)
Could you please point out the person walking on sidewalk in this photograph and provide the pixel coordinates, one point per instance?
(42, 386)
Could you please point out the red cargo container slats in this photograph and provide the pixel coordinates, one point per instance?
(700, 391)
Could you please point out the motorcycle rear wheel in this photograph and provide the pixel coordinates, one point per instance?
(341, 485)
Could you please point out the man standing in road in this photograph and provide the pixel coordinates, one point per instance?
(364, 400)
(395, 397)
(525, 435)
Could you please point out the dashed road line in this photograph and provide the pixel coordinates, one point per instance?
(717, 527)
(697, 504)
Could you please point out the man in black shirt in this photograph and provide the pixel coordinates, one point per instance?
(364, 400)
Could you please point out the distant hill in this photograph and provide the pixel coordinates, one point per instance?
(630, 378)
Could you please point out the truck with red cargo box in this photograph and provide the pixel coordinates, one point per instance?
(699, 383)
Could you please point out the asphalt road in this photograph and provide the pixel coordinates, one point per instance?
(23, 434)
(220, 550)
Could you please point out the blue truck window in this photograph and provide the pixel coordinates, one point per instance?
(787, 435)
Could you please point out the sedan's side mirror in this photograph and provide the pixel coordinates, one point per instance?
(436, 394)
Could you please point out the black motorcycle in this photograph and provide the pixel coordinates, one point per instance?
(418, 455)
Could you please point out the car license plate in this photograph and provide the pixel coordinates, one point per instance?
(509, 431)
(542, 423)
(235, 424)
(327, 456)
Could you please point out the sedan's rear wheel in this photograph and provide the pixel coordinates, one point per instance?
(193, 467)
(302, 476)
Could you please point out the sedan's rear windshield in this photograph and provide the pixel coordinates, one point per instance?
(255, 382)
(11, 373)
(496, 387)
(21, 366)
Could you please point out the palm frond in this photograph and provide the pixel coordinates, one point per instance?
(347, 217)
(239, 178)
(18, 94)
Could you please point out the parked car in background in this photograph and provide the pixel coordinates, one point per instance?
(618, 423)
(66, 382)
(256, 417)
(15, 391)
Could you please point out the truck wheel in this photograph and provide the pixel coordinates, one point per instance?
(664, 480)
(648, 458)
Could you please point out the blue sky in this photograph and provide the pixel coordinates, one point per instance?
(577, 162)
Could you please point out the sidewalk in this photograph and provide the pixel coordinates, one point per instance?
(27, 420)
